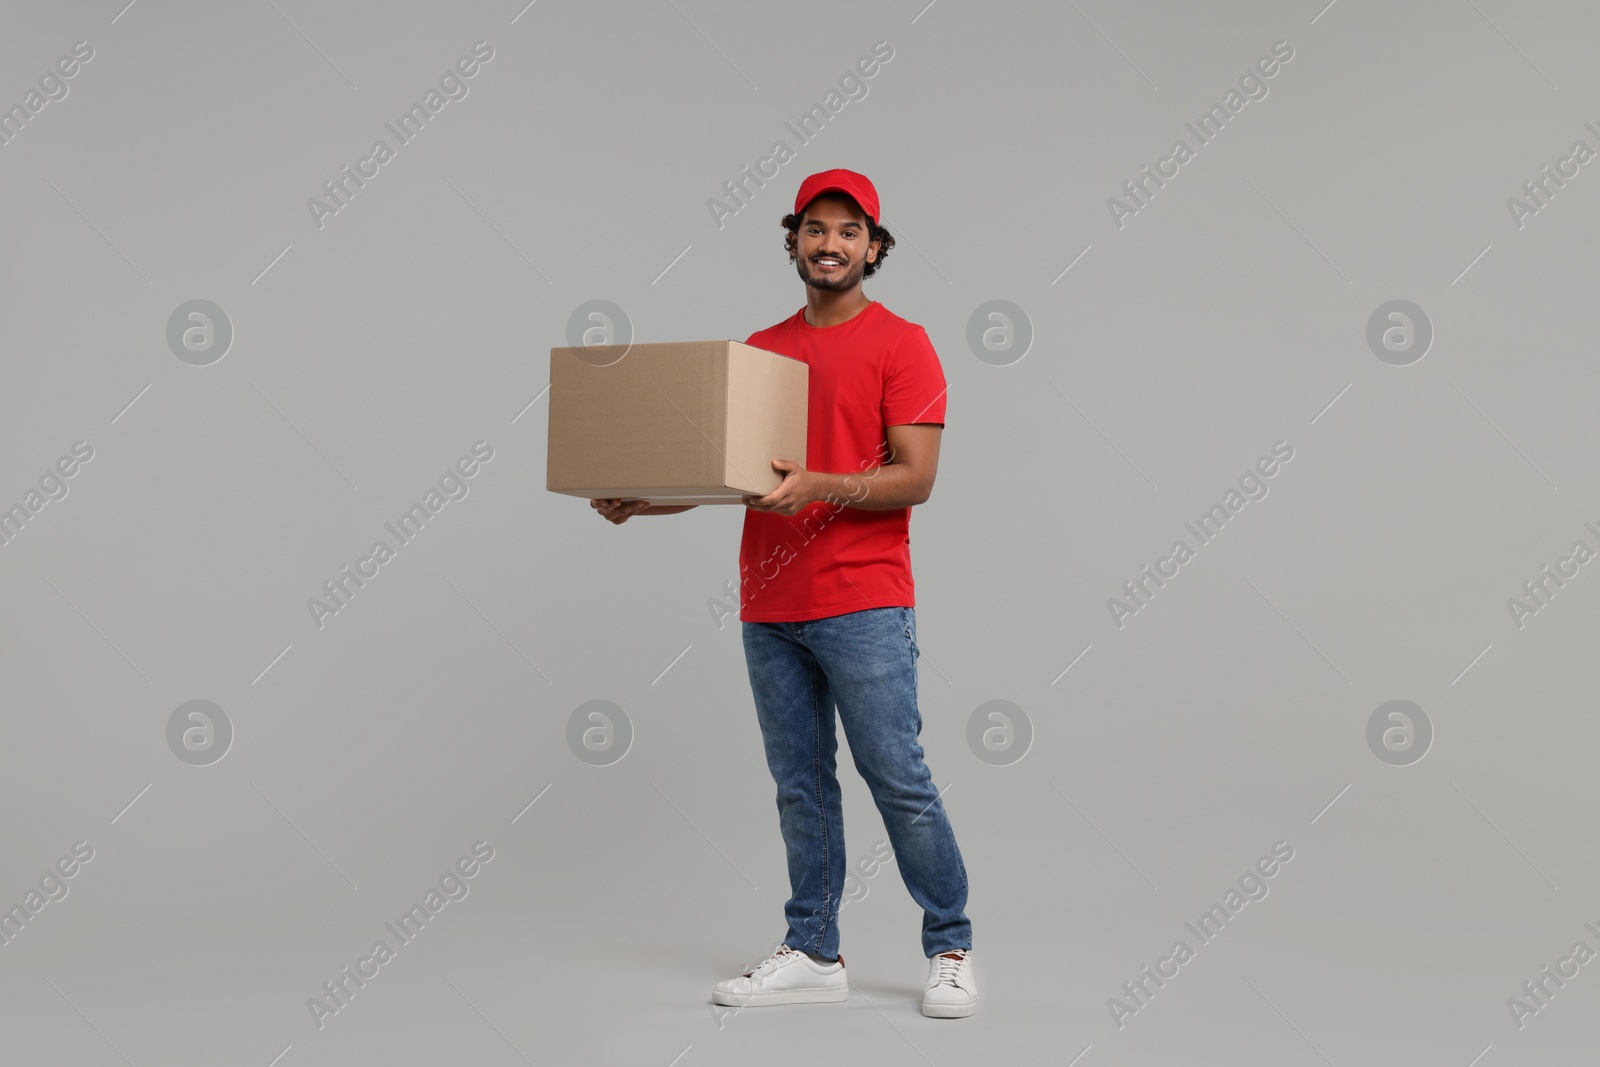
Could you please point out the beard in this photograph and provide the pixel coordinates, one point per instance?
(837, 282)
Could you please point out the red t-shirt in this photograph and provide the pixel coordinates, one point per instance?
(871, 372)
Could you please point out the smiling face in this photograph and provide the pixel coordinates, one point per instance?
(832, 249)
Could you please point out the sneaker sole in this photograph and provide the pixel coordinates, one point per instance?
(949, 1011)
(813, 995)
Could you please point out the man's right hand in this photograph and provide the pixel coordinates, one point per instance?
(619, 511)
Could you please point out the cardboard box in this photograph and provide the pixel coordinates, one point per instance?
(687, 422)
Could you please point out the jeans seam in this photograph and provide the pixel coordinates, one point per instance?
(822, 808)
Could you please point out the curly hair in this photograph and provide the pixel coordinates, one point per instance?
(791, 223)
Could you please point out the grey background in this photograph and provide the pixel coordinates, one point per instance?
(369, 354)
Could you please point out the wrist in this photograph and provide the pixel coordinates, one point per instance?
(820, 486)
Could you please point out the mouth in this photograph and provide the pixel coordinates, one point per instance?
(828, 264)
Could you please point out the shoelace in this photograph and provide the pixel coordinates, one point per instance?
(949, 968)
(766, 966)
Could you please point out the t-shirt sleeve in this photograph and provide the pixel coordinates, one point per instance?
(913, 381)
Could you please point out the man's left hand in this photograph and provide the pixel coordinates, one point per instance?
(792, 494)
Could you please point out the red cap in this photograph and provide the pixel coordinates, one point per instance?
(843, 181)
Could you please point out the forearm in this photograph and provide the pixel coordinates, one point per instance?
(881, 488)
(666, 509)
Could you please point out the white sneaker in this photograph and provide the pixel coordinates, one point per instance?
(952, 989)
(788, 976)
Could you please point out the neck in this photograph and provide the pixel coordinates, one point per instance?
(827, 308)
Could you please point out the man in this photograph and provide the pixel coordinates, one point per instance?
(827, 607)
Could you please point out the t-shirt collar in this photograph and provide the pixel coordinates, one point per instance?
(852, 319)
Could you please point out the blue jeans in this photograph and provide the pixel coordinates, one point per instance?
(866, 663)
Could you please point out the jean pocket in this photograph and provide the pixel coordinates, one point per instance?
(908, 626)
